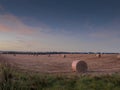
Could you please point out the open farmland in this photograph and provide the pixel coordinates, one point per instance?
(107, 64)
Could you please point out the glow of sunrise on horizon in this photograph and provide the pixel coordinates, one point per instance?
(60, 25)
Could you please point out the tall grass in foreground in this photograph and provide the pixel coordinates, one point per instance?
(11, 79)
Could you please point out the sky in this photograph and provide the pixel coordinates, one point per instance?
(60, 25)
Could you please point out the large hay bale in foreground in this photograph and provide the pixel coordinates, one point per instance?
(79, 66)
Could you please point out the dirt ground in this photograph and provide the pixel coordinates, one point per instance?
(107, 64)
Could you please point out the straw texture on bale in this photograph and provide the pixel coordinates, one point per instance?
(79, 66)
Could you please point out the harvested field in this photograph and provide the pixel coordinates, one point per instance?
(107, 64)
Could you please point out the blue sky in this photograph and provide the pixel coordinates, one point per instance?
(60, 25)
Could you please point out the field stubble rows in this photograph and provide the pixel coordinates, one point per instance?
(107, 64)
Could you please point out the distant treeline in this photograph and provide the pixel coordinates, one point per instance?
(44, 53)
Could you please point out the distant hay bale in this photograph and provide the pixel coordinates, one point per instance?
(79, 66)
(118, 56)
(49, 55)
(98, 55)
(14, 54)
(64, 56)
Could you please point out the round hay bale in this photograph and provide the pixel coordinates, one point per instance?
(49, 55)
(98, 55)
(79, 66)
(118, 56)
(14, 54)
(64, 56)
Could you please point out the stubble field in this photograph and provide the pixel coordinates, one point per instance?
(54, 64)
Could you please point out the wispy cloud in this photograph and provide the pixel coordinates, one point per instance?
(12, 24)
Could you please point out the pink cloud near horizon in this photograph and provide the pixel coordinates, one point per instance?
(13, 24)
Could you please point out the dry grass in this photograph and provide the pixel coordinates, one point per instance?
(107, 64)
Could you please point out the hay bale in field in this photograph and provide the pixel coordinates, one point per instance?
(98, 55)
(118, 56)
(14, 54)
(49, 55)
(64, 56)
(79, 66)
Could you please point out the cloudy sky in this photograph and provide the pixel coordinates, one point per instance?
(60, 25)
